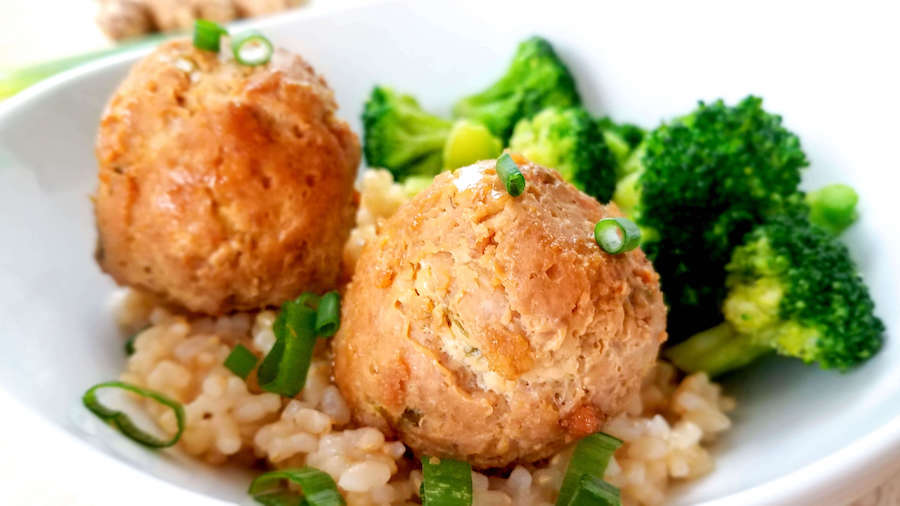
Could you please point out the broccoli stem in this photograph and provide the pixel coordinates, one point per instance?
(627, 194)
(619, 148)
(716, 350)
(469, 142)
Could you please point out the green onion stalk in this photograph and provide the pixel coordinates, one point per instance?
(316, 488)
(241, 361)
(446, 482)
(123, 422)
(510, 175)
(584, 473)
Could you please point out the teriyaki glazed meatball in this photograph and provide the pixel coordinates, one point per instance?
(492, 328)
(222, 186)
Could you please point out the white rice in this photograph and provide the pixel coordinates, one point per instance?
(666, 429)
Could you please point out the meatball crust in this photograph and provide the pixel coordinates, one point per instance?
(493, 329)
(223, 187)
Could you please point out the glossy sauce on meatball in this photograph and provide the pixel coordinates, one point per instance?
(493, 329)
(223, 187)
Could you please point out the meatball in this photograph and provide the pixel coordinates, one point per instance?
(493, 329)
(171, 15)
(223, 187)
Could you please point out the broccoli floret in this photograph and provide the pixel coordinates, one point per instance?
(833, 207)
(622, 139)
(469, 142)
(569, 141)
(793, 289)
(401, 137)
(413, 185)
(536, 79)
(696, 186)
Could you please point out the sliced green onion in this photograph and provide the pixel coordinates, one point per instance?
(283, 370)
(446, 482)
(617, 235)
(591, 457)
(592, 491)
(208, 34)
(123, 422)
(251, 48)
(241, 361)
(318, 489)
(510, 174)
(309, 300)
(281, 498)
(129, 344)
(328, 315)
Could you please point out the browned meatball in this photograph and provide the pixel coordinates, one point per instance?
(170, 15)
(494, 329)
(223, 187)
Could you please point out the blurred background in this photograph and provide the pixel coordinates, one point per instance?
(41, 38)
(67, 27)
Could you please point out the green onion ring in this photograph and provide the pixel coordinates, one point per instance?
(318, 488)
(123, 422)
(283, 371)
(328, 315)
(252, 48)
(446, 482)
(241, 361)
(591, 457)
(208, 34)
(281, 498)
(592, 491)
(510, 174)
(617, 235)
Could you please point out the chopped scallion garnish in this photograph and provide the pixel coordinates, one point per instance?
(123, 422)
(510, 174)
(308, 299)
(617, 235)
(129, 344)
(328, 315)
(446, 482)
(591, 456)
(241, 361)
(592, 491)
(283, 370)
(208, 34)
(252, 48)
(317, 488)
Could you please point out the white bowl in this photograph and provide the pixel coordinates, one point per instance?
(801, 435)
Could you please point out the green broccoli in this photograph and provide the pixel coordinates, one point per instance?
(413, 185)
(469, 142)
(792, 288)
(569, 141)
(833, 207)
(536, 79)
(696, 186)
(622, 139)
(401, 137)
